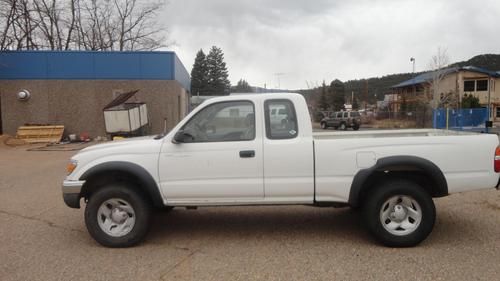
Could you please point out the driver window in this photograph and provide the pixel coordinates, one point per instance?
(225, 121)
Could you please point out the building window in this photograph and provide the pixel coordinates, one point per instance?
(498, 111)
(482, 85)
(469, 85)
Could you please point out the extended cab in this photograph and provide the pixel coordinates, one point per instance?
(232, 151)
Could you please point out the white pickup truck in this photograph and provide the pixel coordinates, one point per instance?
(228, 152)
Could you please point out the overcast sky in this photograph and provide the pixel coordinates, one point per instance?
(319, 39)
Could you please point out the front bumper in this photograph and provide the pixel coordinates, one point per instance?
(71, 193)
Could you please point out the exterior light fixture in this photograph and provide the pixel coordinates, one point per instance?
(23, 95)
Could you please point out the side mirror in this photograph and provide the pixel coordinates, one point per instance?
(178, 137)
(181, 137)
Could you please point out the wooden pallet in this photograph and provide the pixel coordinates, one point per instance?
(40, 134)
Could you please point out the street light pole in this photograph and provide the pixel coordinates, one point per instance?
(489, 104)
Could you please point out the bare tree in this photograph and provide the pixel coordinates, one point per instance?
(55, 23)
(7, 17)
(138, 28)
(438, 65)
(81, 24)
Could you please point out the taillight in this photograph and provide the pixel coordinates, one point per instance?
(497, 159)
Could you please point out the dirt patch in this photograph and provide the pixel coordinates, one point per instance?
(492, 206)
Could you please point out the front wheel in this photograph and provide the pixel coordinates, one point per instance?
(343, 126)
(117, 216)
(323, 126)
(399, 213)
(355, 127)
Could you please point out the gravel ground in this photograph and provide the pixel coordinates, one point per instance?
(42, 239)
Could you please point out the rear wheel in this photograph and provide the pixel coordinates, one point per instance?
(343, 126)
(323, 125)
(399, 213)
(355, 127)
(117, 216)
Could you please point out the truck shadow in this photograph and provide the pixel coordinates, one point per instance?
(271, 222)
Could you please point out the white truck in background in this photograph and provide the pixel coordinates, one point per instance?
(229, 151)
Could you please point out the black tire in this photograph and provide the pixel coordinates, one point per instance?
(324, 126)
(167, 209)
(355, 127)
(142, 214)
(378, 198)
(343, 126)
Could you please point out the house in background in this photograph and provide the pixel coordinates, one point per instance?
(454, 84)
(71, 88)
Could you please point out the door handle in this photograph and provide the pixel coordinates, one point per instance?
(247, 153)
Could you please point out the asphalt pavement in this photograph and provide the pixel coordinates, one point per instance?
(42, 239)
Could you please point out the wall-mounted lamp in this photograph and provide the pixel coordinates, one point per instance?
(23, 95)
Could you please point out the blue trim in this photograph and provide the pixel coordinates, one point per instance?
(93, 65)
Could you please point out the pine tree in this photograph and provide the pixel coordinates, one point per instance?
(323, 102)
(218, 82)
(199, 75)
(242, 87)
(470, 101)
(337, 94)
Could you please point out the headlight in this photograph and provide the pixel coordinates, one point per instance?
(71, 166)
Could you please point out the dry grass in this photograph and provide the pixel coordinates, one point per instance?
(394, 124)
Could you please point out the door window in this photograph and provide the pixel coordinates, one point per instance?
(284, 127)
(224, 121)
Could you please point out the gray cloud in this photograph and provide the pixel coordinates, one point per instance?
(316, 40)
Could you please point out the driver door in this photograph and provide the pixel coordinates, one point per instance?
(220, 159)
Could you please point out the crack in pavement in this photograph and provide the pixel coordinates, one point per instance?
(48, 223)
(162, 276)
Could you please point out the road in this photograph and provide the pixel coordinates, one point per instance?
(42, 239)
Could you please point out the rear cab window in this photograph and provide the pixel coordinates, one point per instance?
(283, 125)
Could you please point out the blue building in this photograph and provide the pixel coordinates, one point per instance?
(71, 88)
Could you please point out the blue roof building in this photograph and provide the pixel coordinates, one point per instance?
(65, 86)
(447, 88)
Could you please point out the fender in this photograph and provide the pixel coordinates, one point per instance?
(148, 183)
(399, 163)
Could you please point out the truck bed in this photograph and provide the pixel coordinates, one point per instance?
(466, 159)
(388, 134)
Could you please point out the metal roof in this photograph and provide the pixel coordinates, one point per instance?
(428, 76)
(92, 65)
(120, 99)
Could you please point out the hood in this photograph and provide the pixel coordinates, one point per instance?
(131, 145)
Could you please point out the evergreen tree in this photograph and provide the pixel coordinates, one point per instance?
(199, 75)
(323, 102)
(218, 83)
(337, 95)
(242, 87)
(470, 101)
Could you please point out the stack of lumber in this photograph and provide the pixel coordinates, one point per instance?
(40, 134)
